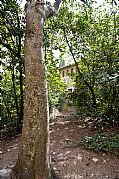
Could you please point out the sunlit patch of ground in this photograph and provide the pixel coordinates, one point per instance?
(71, 160)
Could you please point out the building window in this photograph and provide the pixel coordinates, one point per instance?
(70, 90)
(72, 70)
(63, 74)
(67, 72)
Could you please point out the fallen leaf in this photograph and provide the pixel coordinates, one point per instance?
(94, 159)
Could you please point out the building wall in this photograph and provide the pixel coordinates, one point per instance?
(65, 73)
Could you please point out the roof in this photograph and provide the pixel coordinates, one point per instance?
(70, 65)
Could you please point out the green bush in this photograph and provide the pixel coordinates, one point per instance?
(102, 142)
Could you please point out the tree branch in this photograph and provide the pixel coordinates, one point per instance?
(71, 51)
(57, 4)
(52, 10)
(6, 45)
(78, 69)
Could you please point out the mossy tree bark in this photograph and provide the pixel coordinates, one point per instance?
(33, 157)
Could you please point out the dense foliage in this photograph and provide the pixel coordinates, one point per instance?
(90, 34)
(98, 60)
(12, 32)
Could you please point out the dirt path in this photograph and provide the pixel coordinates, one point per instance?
(69, 159)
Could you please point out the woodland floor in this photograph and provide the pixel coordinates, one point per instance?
(69, 159)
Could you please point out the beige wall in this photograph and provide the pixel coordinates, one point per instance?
(65, 74)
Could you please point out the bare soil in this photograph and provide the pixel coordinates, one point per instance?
(69, 159)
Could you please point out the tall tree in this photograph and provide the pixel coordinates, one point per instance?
(12, 31)
(33, 158)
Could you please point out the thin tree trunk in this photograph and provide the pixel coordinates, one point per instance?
(21, 94)
(21, 83)
(7, 107)
(16, 99)
(21, 74)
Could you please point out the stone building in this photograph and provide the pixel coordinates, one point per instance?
(65, 73)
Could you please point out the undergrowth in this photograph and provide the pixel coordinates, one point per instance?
(102, 142)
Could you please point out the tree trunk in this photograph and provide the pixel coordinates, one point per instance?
(7, 106)
(16, 99)
(33, 157)
(21, 94)
(21, 105)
